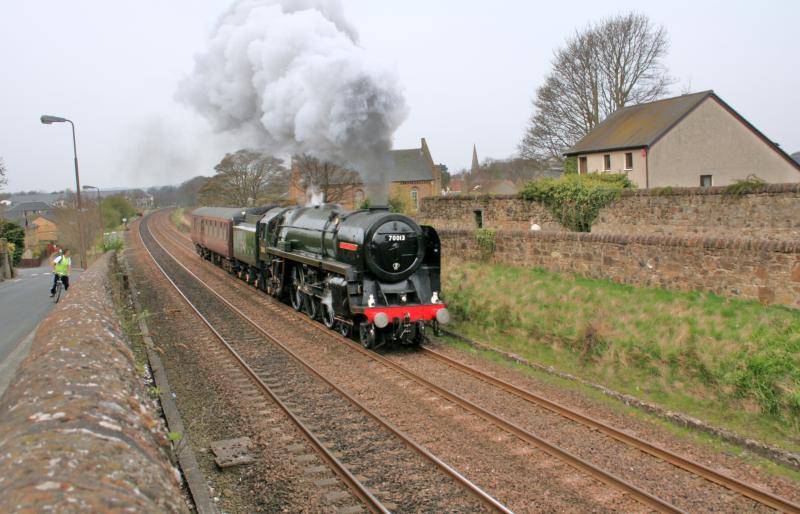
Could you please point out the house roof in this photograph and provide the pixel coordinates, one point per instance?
(408, 165)
(37, 197)
(505, 187)
(639, 125)
(29, 206)
(49, 216)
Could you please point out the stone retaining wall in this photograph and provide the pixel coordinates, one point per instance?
(507, 212)
(78, 432)
(768, 271)
(771, 212)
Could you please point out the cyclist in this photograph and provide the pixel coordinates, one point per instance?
(62, 267)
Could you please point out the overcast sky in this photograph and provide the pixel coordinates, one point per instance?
(468, 69)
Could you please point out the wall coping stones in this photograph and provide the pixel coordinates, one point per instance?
(751, 244)
(77, 430)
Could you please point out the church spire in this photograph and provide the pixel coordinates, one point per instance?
(475, 166)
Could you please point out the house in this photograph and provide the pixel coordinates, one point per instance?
(53, 199)
(45, 230)
(25, 213)
(409, 175)
(496, 187)
(687, 141)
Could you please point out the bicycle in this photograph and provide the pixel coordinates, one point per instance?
(59, 287)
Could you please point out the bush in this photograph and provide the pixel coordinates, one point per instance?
(575, 200)
(112, 242)
(485, 237)
(398, 204)
(748, 185)
(15, 235)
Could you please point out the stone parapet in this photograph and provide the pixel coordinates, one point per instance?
(763, 270)
(78, 432)
(505, 212)
(770, 212)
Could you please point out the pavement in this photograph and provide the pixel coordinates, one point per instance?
(24, 302)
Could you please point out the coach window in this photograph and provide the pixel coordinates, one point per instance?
(415, 199)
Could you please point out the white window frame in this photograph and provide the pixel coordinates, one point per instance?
(607, 164)
(415, 198)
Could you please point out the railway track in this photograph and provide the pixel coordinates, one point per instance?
(372, 457)
(758, 495)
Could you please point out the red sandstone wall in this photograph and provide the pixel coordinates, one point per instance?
(768, 271)
(772, 212)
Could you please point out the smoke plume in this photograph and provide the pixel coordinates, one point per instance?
(291, 74)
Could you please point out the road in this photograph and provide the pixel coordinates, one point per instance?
(24, 302)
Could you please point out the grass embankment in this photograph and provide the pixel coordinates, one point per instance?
(733, 363)
(178, 218)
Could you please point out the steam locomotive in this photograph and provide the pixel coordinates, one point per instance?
(367, 273)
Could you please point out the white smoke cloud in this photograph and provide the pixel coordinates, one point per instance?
(291, 74)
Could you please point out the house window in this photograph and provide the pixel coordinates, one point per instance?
(415, 199)
(359, 199)
(478, 219)
(583, 166)
(629, 160)
(607, 162)
(705, 181)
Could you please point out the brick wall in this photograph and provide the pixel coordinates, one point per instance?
(507, 212)
(772, 212)
(768, 271)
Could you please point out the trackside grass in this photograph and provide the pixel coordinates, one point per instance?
(733, 363)
(179, 218)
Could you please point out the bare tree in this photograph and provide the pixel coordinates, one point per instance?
(246, 178)
(608, 66)
(336, 183)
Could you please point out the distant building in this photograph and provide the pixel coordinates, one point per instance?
(796, 157)
(25, 213)
(45, 231)
(497, 187)
(687, 141)
(53, 199)
(410, 175)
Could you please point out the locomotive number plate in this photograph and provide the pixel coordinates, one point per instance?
(397, 237)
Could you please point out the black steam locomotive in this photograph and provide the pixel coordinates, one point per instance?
(368, 273)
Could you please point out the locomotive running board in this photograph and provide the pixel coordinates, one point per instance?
(326, 264)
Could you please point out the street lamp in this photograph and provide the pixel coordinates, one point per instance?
(99, 210)
(47, 120)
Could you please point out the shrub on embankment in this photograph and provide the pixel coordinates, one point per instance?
(695, 352)
(576, 200)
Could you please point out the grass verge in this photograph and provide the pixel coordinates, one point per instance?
(733, 363)
(178, 218)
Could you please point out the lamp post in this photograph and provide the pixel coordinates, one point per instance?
(47, 120)
(99, 210)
